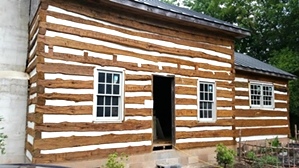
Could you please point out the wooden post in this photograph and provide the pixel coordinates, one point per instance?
(240, 151)
(289, 155)
(294, 156)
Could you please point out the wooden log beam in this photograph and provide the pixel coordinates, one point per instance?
(75, 141)
(259, 113)
(69, 110)
(263, 131)
(192, 145)
(259, 122)
(190, 124)
(82, 127)
(92, 154)
(138, 112)
(205, 134)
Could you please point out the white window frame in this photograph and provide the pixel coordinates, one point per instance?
(214, 103)
(262, 106)
(120, 117)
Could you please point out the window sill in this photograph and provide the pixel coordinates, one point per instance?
(267, 108)
(207, 121)
(106, 121)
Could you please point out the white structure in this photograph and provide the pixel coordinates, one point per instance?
(14, 18)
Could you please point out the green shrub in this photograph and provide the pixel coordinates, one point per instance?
(224, 155)
(275, 142)
(116, 161)
(2, 138)
(266, 160)
(251, 155)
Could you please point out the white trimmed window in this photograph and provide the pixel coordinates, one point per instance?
(206, 101)
(261, 95)
(109, 94)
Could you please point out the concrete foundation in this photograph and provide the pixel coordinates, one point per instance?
(14, 20)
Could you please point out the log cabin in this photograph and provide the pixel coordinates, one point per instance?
(152, 80)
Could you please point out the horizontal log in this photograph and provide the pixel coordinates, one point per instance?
(241, 102)
(137, 100)
(263, 131)
(280, 97)
(138, 77)
(69, 110)
(281, 105)
(224, 103)
(187, 123)
(260, 113)
(65, 69)
(185, 113)
(198, 73)
(242, 84)
(192, 145)
(225, 93)
(87, 155)
(72, 84)
(193, 113)
(224, 84)
(75, 141)
(82, 127)
(205, 134)
(186, 81)
(138, 112)
(186, 90)
(259, 122)
(138, 88)
(242, 93)
(280, 88)
(69, 97)
(31, 132)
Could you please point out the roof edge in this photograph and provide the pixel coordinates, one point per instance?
(268, 73)
(238, 31)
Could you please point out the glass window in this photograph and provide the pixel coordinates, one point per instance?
(206, 101)
(261, 95)
(108, 96)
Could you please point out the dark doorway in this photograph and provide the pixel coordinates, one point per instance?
(163, 112)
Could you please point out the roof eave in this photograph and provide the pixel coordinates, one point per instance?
(236, 31)
(242, 68)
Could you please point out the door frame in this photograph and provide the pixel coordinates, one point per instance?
(172, 96)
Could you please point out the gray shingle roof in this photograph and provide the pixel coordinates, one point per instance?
(172, 11)
(247, 63)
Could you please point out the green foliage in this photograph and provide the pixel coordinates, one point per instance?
(116, 161)
(275, 142)
(261, 162)
(2, 138)
(251, 155)
(224, 155)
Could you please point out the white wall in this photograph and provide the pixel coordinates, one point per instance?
(14, 17)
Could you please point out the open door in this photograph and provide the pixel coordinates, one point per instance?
(163, 112)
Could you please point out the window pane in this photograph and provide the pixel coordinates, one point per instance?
(201, 87)
(115, 89)
(100, 111)
(109, 78)
(100, 100)
(211, 96)
(205, 114)
(210, 105)
(108, 89)
(107, 112)
(201, 114)
(114, 111)
(210, 88)
(101, 88)
(205, 87)
(206, 96)
(114, 100)
(102, 77)
(210, 114)
(201, 96)
(116, 78)
(108, 100)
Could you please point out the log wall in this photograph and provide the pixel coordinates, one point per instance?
(259, 124)
(68, 40)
